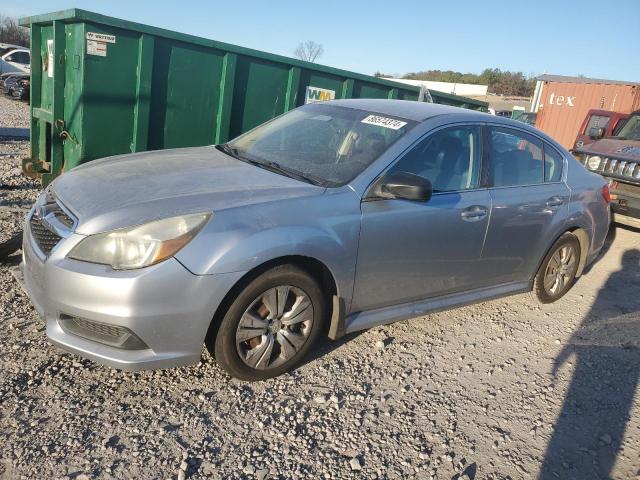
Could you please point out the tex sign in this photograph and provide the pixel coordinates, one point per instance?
(561, 100)
(315, 94)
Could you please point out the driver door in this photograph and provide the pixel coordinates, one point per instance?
(411, 250)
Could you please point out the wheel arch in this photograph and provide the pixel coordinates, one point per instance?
(314, 267)
(583, 239)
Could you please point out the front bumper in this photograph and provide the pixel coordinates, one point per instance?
(626, 220)
(625, 204)
(165, 305)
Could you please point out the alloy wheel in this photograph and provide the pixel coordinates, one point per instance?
(560, 269)
(274, 327)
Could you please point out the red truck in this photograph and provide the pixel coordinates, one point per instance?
(599, 124)
(617, 159)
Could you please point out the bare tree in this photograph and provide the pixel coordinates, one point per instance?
(11, 32)
(308, 51)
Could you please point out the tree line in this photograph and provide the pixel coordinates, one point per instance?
(501, 82)
(11, 32)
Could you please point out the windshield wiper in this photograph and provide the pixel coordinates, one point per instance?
(232, 152)
(288, 172)
(273, 166)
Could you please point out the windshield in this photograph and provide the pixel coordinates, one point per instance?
(322, 142)
(631, 129)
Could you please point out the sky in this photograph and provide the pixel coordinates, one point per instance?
(594, 38)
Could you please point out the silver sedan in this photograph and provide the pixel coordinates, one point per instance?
(334, 217)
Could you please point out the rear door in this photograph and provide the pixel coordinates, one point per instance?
(530, 203)
(412, 250)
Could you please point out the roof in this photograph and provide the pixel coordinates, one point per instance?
(421, 111)
(411, 110)
(10, 45)
(564, 79)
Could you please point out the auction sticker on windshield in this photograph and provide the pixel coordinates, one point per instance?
(386, 122)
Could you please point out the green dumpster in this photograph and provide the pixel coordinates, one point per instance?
(103, 86)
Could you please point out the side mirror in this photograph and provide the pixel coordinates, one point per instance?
(596, 132)
(407, 186)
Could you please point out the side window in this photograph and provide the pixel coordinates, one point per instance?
(516, 158)
(450, 159)
(24, 58)
(19, 57)
(553, 164)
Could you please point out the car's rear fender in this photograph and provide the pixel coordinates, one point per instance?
(589, 212)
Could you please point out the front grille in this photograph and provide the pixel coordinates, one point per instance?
(49, 223)
(620, 168)
(63, 218)
(44, 238)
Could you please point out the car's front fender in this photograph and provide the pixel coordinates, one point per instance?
(240, 240)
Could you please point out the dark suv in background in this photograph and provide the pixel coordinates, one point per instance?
(618, 160)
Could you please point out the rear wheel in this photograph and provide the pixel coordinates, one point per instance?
(557, 273)
(271, 325)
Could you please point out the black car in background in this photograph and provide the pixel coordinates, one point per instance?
(15, 84)
(21, 89)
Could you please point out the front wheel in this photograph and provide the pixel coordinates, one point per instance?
(271, 325)
(557, 273)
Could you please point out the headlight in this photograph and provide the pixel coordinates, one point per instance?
(594, 162)
(142, 245)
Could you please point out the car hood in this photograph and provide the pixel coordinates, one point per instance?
(611, 147)
(132, 189)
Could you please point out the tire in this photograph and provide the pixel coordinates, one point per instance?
(285, 330)
(560, 263)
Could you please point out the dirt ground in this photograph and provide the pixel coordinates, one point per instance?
(508, 389)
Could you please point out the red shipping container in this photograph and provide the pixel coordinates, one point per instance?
(562, 103)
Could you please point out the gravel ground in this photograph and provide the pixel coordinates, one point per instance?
(17, 193)
(13, 113)
(507, 389)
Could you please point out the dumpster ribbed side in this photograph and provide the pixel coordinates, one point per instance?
(102, 86)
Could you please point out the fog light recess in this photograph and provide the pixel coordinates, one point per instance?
(112, 335)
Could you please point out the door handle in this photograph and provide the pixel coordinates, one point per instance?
(474, 213)
(554, 202)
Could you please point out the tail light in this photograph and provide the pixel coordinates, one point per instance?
(605, 194)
